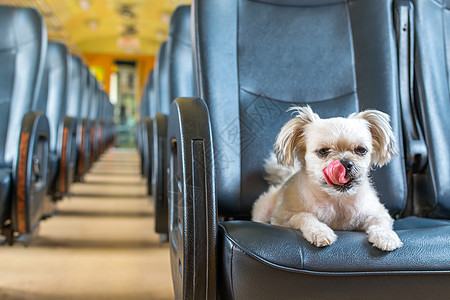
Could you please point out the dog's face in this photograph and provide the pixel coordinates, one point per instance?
(347, 141)
(354, 144)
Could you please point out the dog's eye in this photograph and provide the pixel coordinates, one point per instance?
(323, 152)
(360, 150)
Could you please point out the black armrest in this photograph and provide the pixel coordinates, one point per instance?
(159, 182)
(67, 156)
(30, 173)
(192, 200)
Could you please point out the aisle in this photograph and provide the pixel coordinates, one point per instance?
(100, 245)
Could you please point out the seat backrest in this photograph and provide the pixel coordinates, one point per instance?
(54, 88)
(75, 91)
(179, 51)
(256, 58)
(432, 35)
(22, 55)
(161, 80)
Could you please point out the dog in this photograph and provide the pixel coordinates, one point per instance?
(319, 180)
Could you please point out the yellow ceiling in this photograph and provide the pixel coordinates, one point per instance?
(106, 26)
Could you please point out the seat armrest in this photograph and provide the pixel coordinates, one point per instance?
(192, 200)
(159, 176)
(67, 154)
(147, 145)
(30, 172)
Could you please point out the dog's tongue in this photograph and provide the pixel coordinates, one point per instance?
(335, 173)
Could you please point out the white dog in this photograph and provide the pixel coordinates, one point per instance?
(322, 182)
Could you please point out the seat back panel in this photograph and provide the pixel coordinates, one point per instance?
(254, 60)
(22, 67)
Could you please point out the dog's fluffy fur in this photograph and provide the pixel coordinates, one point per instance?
(299, 196)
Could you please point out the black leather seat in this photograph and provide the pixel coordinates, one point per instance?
(140, 125)
(84, 124)
(432, 191)
(161, 81)
(77, 79)
(102, 134)
(253, 60)
(157, 90)
(177, 81)
(24, 137)
(75, 91)
(156, 98)
(54, 93)
(105, 116)
(94, 110)
(110, 129)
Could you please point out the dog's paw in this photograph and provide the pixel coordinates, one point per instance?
(321, 236)
(386, 240)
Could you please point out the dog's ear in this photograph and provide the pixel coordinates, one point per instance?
(290, 141)
(383, 139)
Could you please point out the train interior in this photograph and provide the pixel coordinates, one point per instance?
(136, 137)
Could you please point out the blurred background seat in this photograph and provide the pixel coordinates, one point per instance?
(25, 134)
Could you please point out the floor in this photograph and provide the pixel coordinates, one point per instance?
(100, 245)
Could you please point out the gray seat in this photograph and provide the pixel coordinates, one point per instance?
(84, 124)
(77, 79)
(103, 98)
(178, 79)
(148, 108)
(253, 60)
(110, 129)
(24, 138)
(140, 125)
(54, 93)
(94, 111)
(161, 82)
(156, 100)
(432, 187)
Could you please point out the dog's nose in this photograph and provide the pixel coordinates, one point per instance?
(348, 164)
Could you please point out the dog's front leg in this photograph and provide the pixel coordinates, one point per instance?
(313, 230)
(380, 233)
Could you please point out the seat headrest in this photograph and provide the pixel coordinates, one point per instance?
(27, 19)
(57, 54)
(180, 24)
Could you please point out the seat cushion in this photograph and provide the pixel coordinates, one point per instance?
(255, 255)
(5, 187)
